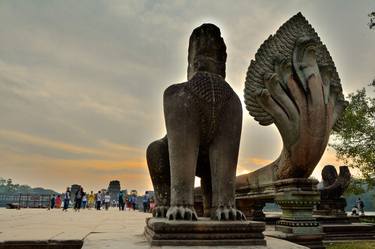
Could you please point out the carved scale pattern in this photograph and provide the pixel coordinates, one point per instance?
(211, 93)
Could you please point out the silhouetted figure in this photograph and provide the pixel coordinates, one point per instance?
(66, 199)
(121, 202)
(53, 202)
(98, 200)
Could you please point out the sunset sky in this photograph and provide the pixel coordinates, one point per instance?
(81, 82)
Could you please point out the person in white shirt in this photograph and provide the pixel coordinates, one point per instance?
(98, 200)
(107, 200)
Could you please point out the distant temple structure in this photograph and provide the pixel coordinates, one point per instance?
(114, 189)
(73, 189)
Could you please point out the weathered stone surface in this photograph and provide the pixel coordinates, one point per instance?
(252, 209)
(334, 185)
(203, 118)
(294, 84)
(205, 232)
(331, 189)
(354, 231)
(297, 198)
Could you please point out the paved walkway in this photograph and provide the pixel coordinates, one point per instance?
(98, 229)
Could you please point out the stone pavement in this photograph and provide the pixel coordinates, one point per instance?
(97, 229)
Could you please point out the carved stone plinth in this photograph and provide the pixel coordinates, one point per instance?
(204, 232)
(297, 198)
(332, 211)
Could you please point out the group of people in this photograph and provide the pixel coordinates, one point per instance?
(358, 208)
(99, 200)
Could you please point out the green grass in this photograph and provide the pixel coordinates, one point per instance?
(367, 219)
(352, 245)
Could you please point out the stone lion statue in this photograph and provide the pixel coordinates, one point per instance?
(203, 118)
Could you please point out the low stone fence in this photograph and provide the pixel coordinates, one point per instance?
(25, 201)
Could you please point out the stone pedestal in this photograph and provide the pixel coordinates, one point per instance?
(297, 198)
(204, 232)
(332, 211)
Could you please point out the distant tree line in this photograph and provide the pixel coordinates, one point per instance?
(8, 187)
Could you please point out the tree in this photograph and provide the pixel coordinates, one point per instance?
(355, 141)
(356, 187)
(371, 24)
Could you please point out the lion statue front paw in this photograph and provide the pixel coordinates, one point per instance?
(182, 213)
(228, 213)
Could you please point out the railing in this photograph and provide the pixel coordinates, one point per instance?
(25, 200)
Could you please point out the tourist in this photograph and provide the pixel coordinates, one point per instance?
(145, 202)
(360, 206)
(98, 200)
(354, 211)
(128, 202)
(53, 201)
(78, 199)
(66, 199)
(121, 202)
(152, 204)
(102, 197)
(58, 201)
(107, 200)
(91, 200)
(134, 202)
(84, 200)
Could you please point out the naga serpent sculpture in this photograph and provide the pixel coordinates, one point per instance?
(293, 83)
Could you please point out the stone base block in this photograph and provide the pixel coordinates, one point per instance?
(333, 219)
(312, 241)
(204, 232)
(331, 208)
(297, 198)
(354, 231)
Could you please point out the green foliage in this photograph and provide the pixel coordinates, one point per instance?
(371, 24)
(2, 181)
(355, 141)
(356, 187)
(352, 245)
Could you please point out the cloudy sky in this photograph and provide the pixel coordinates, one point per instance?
(81, 82)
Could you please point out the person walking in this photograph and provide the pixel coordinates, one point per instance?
(84, 200)
(107, 200)
(53, 199)
(58, 201)
(66, 199)
(121, 202)
(134, 202)
(78, 199)
(152, 204)
(145, 202)
(98, 200)
(360, 206)
(91, 200)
